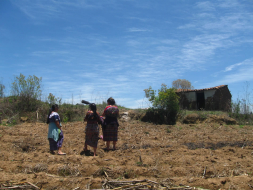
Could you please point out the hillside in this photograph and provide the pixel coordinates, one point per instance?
(210, 155)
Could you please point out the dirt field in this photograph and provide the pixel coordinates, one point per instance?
(207, 155)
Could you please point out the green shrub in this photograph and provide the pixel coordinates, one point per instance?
(165, 105)
(27, 92)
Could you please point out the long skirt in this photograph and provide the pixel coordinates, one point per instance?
(56, 145)
(91, 135)
(110, 132)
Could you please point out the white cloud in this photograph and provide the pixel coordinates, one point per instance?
(169, 41)
(231, 23)
(37, 9)
(248, 62)
(206, 6)
(133, 43)
(187, 26)
(139, 19)
(233, 17)
(241, 75)
(236, 73)
(199, 49)
(49, 53)
(137, 30)
(98, 59)
(229, 4)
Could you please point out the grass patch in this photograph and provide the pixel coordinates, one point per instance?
(242, 119)
(68, 171)
(40, 168)
(205, 113)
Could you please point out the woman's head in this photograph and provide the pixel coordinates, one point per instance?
(93, 107)
(55, 107)
(111, 101)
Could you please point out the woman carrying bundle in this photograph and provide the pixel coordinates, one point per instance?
(92, 130)
(110, 126)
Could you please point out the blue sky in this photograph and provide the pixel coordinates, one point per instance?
(94, 49)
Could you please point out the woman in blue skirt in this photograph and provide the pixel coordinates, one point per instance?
(55, 135)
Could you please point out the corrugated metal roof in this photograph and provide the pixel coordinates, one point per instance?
(204, 89)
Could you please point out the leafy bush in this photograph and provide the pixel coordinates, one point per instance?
(240, 112)
(27, 91)
(69, 112)
(51, 99)
(165, 105)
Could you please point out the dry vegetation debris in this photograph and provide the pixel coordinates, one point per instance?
(182, 156)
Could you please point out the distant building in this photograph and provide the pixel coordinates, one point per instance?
(215, 98)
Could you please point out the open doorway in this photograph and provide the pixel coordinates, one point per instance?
(200, 100)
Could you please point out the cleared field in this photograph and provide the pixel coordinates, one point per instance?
(208, 155)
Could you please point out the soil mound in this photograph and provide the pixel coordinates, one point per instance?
(195, 118)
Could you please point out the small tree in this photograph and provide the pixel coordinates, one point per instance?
(182, 84)
(51, 99)
(246, 100)
(28, 91)
(165, 103)
(2, 87)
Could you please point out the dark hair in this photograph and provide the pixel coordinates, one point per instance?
(55, 106)
(93, 108)
(111, 101)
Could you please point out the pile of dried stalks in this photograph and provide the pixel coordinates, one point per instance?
(142, 184)
(18, 185)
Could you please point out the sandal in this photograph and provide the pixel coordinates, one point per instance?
(61, 153)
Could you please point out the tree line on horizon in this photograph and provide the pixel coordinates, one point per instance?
(26, 93)
(26, 97)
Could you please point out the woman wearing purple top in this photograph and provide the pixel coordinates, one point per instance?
(110, 129)
(55, 135)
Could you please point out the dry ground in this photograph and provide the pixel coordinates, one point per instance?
(207, 155)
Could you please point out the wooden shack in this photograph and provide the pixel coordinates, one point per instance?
(215, 98)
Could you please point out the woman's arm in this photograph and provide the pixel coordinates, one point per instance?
(98, 118)
(85, 118)
(58, 124)
(87, 114)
